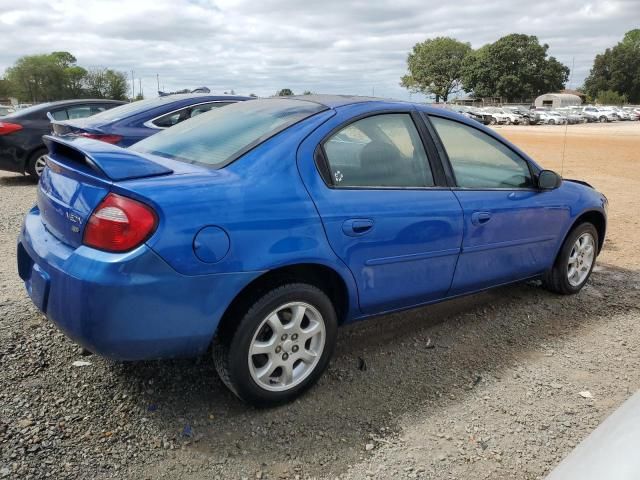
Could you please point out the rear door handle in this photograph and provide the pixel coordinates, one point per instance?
(480, 218)
(355, 227)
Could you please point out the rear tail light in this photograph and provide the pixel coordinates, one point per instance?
(103, 137)
(7, 128)
(119, 224)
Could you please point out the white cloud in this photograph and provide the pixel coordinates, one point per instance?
(330, 46)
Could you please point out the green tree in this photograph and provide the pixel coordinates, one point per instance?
(285, 92)
(5, 89)
(435, 67)
(617, 69)
(37, 78)
(106, 83)
(515, 67)
(609, 97)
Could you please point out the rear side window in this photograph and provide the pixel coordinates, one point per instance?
(379, 151)
(172, 118)
(59, 114)
(78, 111)
(221, 135)
(479, 160)
(198, 109)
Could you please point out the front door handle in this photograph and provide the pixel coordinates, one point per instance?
(480, 218)
(355, 227)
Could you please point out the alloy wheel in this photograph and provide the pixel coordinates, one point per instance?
(581, 259)
(40, 164)
(287, 346)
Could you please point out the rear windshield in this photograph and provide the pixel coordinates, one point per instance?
(218, 137)
(132, 108)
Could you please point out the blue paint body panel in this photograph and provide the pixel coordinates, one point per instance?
(220, 229)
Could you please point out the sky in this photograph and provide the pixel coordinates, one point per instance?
(330, 46)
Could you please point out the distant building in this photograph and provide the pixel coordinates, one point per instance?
(557, 100)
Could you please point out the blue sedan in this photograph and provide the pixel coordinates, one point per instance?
(258, 230)
(132, 122)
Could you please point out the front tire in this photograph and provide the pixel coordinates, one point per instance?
(575, 261)
(280, 347)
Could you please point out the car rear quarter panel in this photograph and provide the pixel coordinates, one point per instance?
(259, 201)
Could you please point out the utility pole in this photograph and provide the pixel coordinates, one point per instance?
(133, 87)
(140, 83)
(158, 79)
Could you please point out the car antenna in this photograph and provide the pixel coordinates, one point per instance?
(566, 125)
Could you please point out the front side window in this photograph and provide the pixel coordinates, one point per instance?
(480, 161)
(378, 151)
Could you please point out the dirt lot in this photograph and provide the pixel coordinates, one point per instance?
(483, 387)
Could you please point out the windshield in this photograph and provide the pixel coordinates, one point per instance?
(218, 137)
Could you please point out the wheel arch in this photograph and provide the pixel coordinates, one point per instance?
(595, 217)
(321, 276)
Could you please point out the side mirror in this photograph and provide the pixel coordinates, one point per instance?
(548, 180)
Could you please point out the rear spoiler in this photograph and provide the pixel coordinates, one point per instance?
(109, 161)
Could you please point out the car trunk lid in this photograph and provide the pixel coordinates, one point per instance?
(81, 173)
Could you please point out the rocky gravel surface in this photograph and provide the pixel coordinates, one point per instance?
(500, 385)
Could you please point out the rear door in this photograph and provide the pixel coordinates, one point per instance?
(511, 227)
(378, 189)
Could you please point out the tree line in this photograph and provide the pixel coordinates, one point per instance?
(518, 68)
(56, 76)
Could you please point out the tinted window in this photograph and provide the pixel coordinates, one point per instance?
(172, 118)
(223, 134)
(78, 111)
(59, 114)
(133, 108)
(379, 151)
(205, 107)
(480, 161)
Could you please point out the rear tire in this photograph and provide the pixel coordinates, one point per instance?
(575, 261)
(36, 163)
(280, 347)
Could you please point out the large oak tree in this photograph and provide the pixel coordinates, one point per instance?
(435, 67)
(515, 67)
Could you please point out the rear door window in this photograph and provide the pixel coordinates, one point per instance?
(379, 151)
(78, 111)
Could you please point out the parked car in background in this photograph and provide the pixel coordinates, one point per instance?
(634, 113)
(21, 146)
(622, 114)
(540, 116)
(257, 229)
(128, 124)
(6, 110)
(524, 112)
(600, 114)
(472, 113)
(502, 116)
(557, 118)
(572, 115)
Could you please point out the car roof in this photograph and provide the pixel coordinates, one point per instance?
(334, 101)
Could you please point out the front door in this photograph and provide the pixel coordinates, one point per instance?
(511, 228)
(385, 217)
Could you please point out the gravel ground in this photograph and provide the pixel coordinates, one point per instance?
(483, 387)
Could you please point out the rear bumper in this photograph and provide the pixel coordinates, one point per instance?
(130, 306)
